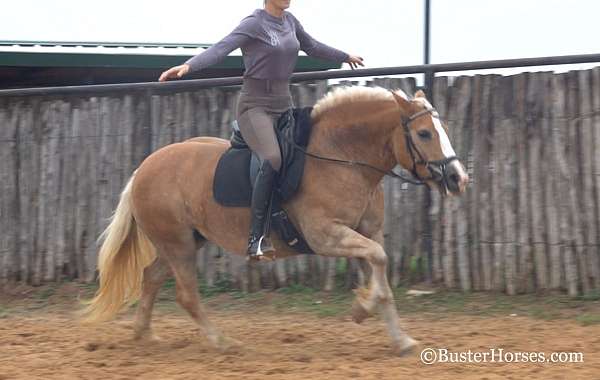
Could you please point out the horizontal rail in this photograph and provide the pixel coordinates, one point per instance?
(190, 85)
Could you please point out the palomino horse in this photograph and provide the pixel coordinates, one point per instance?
(167, 210)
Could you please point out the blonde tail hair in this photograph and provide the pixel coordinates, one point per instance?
(124, 254)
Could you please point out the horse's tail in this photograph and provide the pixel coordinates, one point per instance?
(124, 254)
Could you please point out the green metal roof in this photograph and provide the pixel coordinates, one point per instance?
(119, 55)
(100, 43)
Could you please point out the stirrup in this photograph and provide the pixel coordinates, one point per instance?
(260, 253)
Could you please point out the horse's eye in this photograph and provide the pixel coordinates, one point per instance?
(424, 134)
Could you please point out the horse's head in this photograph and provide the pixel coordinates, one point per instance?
(421, 145)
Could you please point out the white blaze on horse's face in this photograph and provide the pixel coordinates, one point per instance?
(447, 149)
(445, 144)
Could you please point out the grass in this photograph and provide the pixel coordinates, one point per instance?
(591, 296)
(305, 299)
(3, 312)
(589, 319)
(222, 295)
(47, 292)
(543, 307)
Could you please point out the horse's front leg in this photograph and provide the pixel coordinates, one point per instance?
(385, 298)
(341, 241)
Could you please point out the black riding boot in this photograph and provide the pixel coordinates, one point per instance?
(261, 199)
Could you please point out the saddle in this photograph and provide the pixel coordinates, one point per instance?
(238, 167)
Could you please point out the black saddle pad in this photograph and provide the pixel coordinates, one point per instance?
(232, 186)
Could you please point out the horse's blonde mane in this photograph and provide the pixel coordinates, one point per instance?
(345, 95)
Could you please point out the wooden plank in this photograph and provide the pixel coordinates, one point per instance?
(6, 183)
(24, 135)
(52, 173)
(202, 118)
(482, 173)
(388, 231)
(530, 222)
(281, 277)
(42, 139)
(550, 185)
(576, 188)
(209, 274)
(440, 91)
(142, 138)
(66, 242)
(588, 199)
(64, 195)
(524, 185)
(156, 121)
(560, 140)
(95, 200)
(29, 177)
(496, 185)
(88, 141)
(415, 200)
(458, 135)
(126, 130)
(510, 181)
(9, 116)
(595, 95)
(113, 133)
(475, 160)
(448, 205)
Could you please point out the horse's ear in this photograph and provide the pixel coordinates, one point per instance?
(401, 100)
(419, 94)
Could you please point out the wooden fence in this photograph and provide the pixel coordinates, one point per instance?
(528, 223)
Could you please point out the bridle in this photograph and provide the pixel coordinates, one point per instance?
(436, 168)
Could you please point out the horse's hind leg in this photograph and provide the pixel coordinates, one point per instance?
(182, 261)
(154, 276)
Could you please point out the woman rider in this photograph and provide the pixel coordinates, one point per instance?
(270, 39)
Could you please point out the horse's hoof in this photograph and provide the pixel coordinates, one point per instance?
(227, 345)
(146, 336)
(407, 346)
(359, 313)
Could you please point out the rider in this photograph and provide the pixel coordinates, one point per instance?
(270, 39)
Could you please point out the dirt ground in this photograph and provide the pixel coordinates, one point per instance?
(294, 335)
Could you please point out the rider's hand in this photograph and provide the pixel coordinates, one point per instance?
(355, 61)
(174, 72)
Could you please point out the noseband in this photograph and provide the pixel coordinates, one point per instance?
(437, 169)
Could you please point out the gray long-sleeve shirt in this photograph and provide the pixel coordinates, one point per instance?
(269, 46)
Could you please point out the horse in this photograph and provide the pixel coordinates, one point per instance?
(167, 211)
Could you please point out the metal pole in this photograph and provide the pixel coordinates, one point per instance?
(428, 84)
(429, 74)
(427, 31)
(196, 84)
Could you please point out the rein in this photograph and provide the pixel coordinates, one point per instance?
(436, 168)
(390, 173)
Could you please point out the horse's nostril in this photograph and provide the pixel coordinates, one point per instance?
(454, 178)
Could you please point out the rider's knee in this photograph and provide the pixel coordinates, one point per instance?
(274, 160)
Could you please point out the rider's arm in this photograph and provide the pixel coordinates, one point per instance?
(217, 52)
(315, 48)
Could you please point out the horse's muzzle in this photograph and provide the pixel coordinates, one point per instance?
(456, 178)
